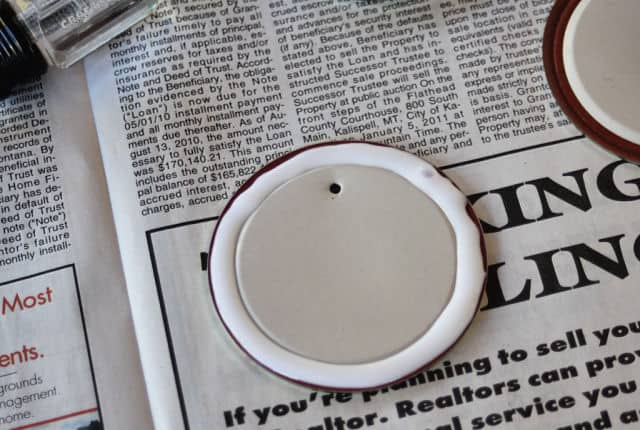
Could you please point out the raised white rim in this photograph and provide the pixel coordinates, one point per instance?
(578, 86)
(444, 332)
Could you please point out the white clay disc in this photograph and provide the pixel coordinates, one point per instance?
(600, 54)
(347, 266)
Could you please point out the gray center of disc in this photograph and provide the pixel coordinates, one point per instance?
(346, 264)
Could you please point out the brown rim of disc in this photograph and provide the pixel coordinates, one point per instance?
(552, 54)
(410, 372)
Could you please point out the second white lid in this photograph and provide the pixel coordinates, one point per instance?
(602, 63)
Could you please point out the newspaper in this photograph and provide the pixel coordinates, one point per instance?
(192, 102)
(68, 353)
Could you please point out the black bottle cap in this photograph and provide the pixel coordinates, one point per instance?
(20, 59)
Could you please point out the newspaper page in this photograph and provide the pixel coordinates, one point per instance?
(68, 356)
(192, 102)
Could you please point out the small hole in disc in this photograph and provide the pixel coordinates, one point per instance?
(335, 188)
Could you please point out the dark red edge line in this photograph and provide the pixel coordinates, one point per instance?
(53, 420)
(272, 165)
(552, 54)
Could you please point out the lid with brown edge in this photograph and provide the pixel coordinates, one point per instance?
(347, 266)
(590, 56)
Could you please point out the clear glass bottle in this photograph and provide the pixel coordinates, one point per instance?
(35, 34)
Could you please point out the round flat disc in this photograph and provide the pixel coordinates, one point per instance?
(347, 266)
(343, 278)
(593, 70)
